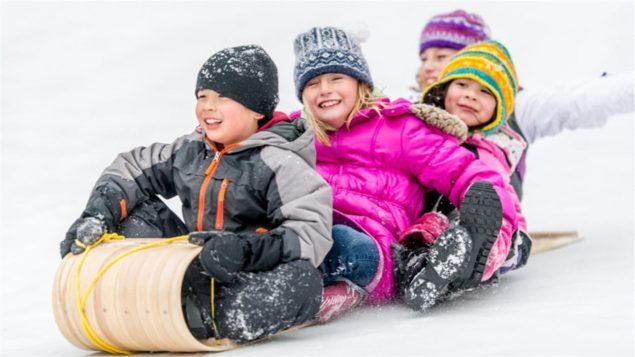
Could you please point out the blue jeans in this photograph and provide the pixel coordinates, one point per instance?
(354, 256)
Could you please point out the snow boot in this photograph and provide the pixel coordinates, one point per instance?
(407, 262)
(339, 298)
(427, 275)
(481, 214)
(196, 302)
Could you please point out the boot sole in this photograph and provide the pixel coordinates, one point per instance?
(481, 215)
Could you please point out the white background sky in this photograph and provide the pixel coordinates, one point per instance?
(82, 81)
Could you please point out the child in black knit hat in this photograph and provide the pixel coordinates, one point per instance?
(251, 197)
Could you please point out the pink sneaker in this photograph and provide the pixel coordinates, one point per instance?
(339, 298)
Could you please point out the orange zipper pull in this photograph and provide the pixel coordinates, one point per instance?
(211, 167)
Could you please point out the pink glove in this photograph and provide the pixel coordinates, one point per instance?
(425, 230)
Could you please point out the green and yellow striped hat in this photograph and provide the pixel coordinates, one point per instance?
(489, 64)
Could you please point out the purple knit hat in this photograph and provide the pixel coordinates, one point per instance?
(454, 30)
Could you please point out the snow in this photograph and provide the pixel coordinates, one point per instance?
(83, 81)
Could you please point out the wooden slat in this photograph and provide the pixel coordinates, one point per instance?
(546, 241)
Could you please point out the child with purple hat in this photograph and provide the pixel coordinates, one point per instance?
(535, 114)
(442, 37)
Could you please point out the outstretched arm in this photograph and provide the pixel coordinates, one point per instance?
(576, 105)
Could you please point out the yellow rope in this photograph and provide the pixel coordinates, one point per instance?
(213, 309)
(81, 300)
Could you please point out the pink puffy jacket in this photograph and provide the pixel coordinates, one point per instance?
(379, 169)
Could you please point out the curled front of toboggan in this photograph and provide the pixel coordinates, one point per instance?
(130, 291)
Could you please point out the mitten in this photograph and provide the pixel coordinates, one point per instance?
(86, 230)
(223, 254)
(425, 230)
(200, 238)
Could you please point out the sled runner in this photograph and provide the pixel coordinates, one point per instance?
(543, 241)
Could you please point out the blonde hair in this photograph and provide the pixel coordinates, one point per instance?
(365, 99)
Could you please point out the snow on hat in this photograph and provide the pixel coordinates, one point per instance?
(489, 64)
(327, 50)
(454, 30)
(245, 74)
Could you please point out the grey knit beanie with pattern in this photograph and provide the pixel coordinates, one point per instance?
(327, 50)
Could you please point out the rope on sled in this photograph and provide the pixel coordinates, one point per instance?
(81, 299)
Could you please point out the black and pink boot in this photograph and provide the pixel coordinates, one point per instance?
(456, 260)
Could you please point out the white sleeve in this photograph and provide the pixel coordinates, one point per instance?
(584, 104)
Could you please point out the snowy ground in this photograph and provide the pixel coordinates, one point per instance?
(82, 81)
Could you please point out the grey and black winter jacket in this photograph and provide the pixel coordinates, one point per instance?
(266, 183)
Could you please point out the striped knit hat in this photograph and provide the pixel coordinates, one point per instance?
(454, 30)
(489, 64)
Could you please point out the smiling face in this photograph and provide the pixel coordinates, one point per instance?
(330, 98)
(473, 103)
(433, 59)
(223, 119)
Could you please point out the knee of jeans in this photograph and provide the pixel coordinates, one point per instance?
(347, 236)
(364, 248)
(358, 247)
(363, 271)
(341, 231)
(361, 266)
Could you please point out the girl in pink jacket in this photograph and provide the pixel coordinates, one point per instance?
(380, 159)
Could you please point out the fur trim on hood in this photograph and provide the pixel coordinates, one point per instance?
(440, 119)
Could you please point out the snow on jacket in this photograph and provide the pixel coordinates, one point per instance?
(576, 105)
(381, 166)
(266, 182)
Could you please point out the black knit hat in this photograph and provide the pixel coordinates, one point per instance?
(245, 74)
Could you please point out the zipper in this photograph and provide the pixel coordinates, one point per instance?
(220, 204)
(209, 172)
